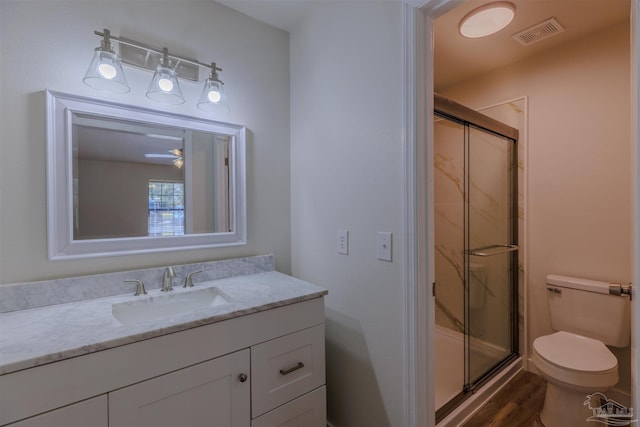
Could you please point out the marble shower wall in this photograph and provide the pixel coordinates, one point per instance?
(489, 224)
(449, 223)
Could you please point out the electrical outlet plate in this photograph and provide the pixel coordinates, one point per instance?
(343, 242)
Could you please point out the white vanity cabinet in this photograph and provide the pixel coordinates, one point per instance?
(92, 412)
(213, 393)
(259, 369)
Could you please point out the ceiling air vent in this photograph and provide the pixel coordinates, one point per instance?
(538, 32)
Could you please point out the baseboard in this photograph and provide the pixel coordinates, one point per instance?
(620, 396)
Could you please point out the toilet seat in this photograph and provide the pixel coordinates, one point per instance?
(576, 361)
(575, 352)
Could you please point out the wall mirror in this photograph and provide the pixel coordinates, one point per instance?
(124, 179)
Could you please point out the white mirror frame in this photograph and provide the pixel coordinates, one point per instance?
(61, 245)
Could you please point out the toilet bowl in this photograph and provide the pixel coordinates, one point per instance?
(574, 367)
(575, 360)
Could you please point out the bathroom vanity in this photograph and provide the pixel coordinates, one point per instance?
(254, 356)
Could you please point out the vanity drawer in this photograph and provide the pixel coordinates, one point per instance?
(309, 410)
(285, 368)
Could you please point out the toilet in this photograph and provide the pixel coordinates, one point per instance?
(575, 359)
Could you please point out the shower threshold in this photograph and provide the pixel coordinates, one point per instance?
(465, 405)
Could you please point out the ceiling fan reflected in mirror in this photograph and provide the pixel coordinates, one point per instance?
(177, 154)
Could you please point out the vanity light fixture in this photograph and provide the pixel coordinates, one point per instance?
(105, 72)
(164, 86)
(487, 19)
(213, 96)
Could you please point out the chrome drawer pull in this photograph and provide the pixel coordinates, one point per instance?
(300, 365)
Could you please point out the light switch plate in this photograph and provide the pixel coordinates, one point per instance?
(384, 245)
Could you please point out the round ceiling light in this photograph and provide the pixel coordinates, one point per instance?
(487, 19)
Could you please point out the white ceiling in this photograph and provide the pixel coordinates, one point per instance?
(457, 58)
(121, 146)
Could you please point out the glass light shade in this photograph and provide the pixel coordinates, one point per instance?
(164, 87)
(487, 20)
(105, 73)
(212, 97)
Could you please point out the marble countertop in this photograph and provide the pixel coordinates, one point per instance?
(38, 336)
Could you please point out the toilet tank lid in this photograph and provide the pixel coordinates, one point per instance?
(577, 283)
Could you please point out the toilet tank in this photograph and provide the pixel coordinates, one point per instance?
(586, 308)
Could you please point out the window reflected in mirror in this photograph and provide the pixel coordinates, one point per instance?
(166, 208)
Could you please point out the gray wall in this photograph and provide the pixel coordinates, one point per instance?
(49, 44)
(347, 173)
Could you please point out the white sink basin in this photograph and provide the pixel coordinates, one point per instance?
(169, 305)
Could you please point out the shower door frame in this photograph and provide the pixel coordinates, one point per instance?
(450, 110)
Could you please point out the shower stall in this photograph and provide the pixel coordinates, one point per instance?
(476, 250)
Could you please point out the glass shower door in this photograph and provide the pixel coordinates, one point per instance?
(490, 252)
(449, 160)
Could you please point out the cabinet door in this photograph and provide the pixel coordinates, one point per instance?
(91, 412)
(309, 410)
(211, 394)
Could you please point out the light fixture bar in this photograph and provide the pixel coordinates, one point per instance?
(136, 44)
(148, 60)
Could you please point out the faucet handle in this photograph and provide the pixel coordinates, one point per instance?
(140, 290)
(188, 283)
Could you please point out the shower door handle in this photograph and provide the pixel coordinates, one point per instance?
(492, 250)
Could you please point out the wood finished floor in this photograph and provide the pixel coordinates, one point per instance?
(518, 404)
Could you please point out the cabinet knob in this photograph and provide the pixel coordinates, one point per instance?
(242, 377)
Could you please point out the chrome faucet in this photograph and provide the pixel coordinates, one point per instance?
(140, 290)
(169, 273)
(188, 282)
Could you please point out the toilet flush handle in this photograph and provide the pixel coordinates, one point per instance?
(554, 290)
(620, 290)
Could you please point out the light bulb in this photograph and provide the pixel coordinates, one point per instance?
(214, 96)
(165, 85)
(107, 71)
